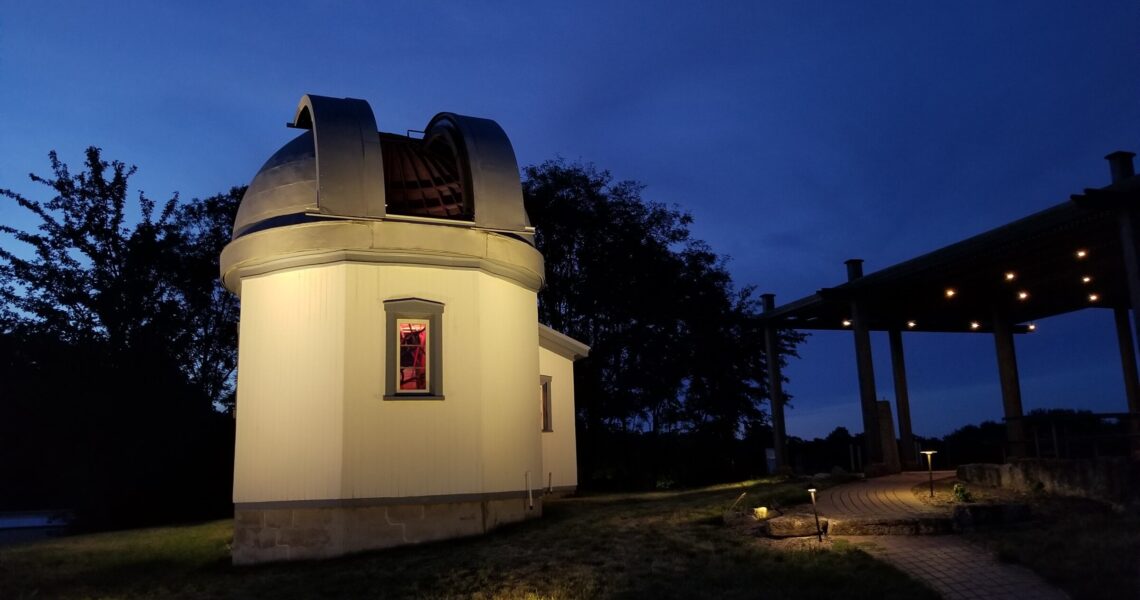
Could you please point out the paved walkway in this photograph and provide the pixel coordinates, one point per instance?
(882, 497)
(952, 566)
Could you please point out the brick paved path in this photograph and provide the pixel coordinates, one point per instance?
(956, 568)
(881, 497)
(952, 566)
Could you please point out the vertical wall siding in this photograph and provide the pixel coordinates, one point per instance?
(312, 419)
(290, 385)
(559, 447)
(395, 448)
(508, 330)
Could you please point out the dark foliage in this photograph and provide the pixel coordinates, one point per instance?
(676, 347)
(117, 345)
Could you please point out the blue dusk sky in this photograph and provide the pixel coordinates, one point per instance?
(798, 134)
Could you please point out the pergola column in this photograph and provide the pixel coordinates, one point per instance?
(1010, 384)
(1127, 358)
(1120, 164)
(866, 369)
(775, 380)
(902, 398)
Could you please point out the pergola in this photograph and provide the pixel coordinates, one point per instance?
(1080, 254)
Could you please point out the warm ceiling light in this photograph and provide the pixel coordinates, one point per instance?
(846, 323)
(1032, 327)
(1022, 295)
(950, 292)
(1010, 276)
(975, 324)
(1086, 279)
(1082, 253)
(911, 324)
(1094, 297)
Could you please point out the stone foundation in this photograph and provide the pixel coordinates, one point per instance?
(304, 530)
(1114, 480)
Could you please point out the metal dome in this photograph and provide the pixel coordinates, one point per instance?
(286, 186)
(462, 169)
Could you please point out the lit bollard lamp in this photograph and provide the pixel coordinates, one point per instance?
(818, 531)
(930, 468)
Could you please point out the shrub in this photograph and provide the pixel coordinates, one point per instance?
(961, 494)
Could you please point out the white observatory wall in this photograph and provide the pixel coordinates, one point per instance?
(559, 447)
(411, 448)
(512, 446)
(290, 385)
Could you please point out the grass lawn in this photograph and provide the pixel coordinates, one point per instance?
(653, 545)
(1081, 546)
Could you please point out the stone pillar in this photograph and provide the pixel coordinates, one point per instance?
(1010, 384)
(1127, 358)
(1120, 164)
(902, 398)
(775, 380)
(866, 369)
(887, 438)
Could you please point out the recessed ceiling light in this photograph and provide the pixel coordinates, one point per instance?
(975, 324)
(1094, 297)
(1086, 279)
(911, 324)
(1023, 295)
(1010, 276)
(1032, 327)
(846, 323)
(1082, 253)
(950, 292)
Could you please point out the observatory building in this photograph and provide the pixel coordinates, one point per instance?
(394, 385)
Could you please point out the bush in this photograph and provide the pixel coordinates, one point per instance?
(961, 494)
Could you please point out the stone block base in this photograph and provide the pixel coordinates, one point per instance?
(278, 531)
(1113, 480)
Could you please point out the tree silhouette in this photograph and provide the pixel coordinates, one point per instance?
(118, 344)
(676, 347)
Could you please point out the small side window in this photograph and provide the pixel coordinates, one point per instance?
(414, 362)
(546, 404)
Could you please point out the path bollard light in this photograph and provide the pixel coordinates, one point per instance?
(818, 531)
(930, 468)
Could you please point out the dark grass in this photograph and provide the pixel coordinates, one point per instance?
(1084, 547)
(655, 545)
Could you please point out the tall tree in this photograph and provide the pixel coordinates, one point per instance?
(117, 347)
(92, 276)
(676, 346)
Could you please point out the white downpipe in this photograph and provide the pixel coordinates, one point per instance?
(529, 493)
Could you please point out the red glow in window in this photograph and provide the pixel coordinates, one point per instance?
(413, 352)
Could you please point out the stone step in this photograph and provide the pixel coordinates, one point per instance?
(965, 517)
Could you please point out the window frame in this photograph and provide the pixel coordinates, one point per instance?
(546, 399)
(413, 309)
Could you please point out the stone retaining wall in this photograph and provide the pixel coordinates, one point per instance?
(313, 532)
(1113, 480)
